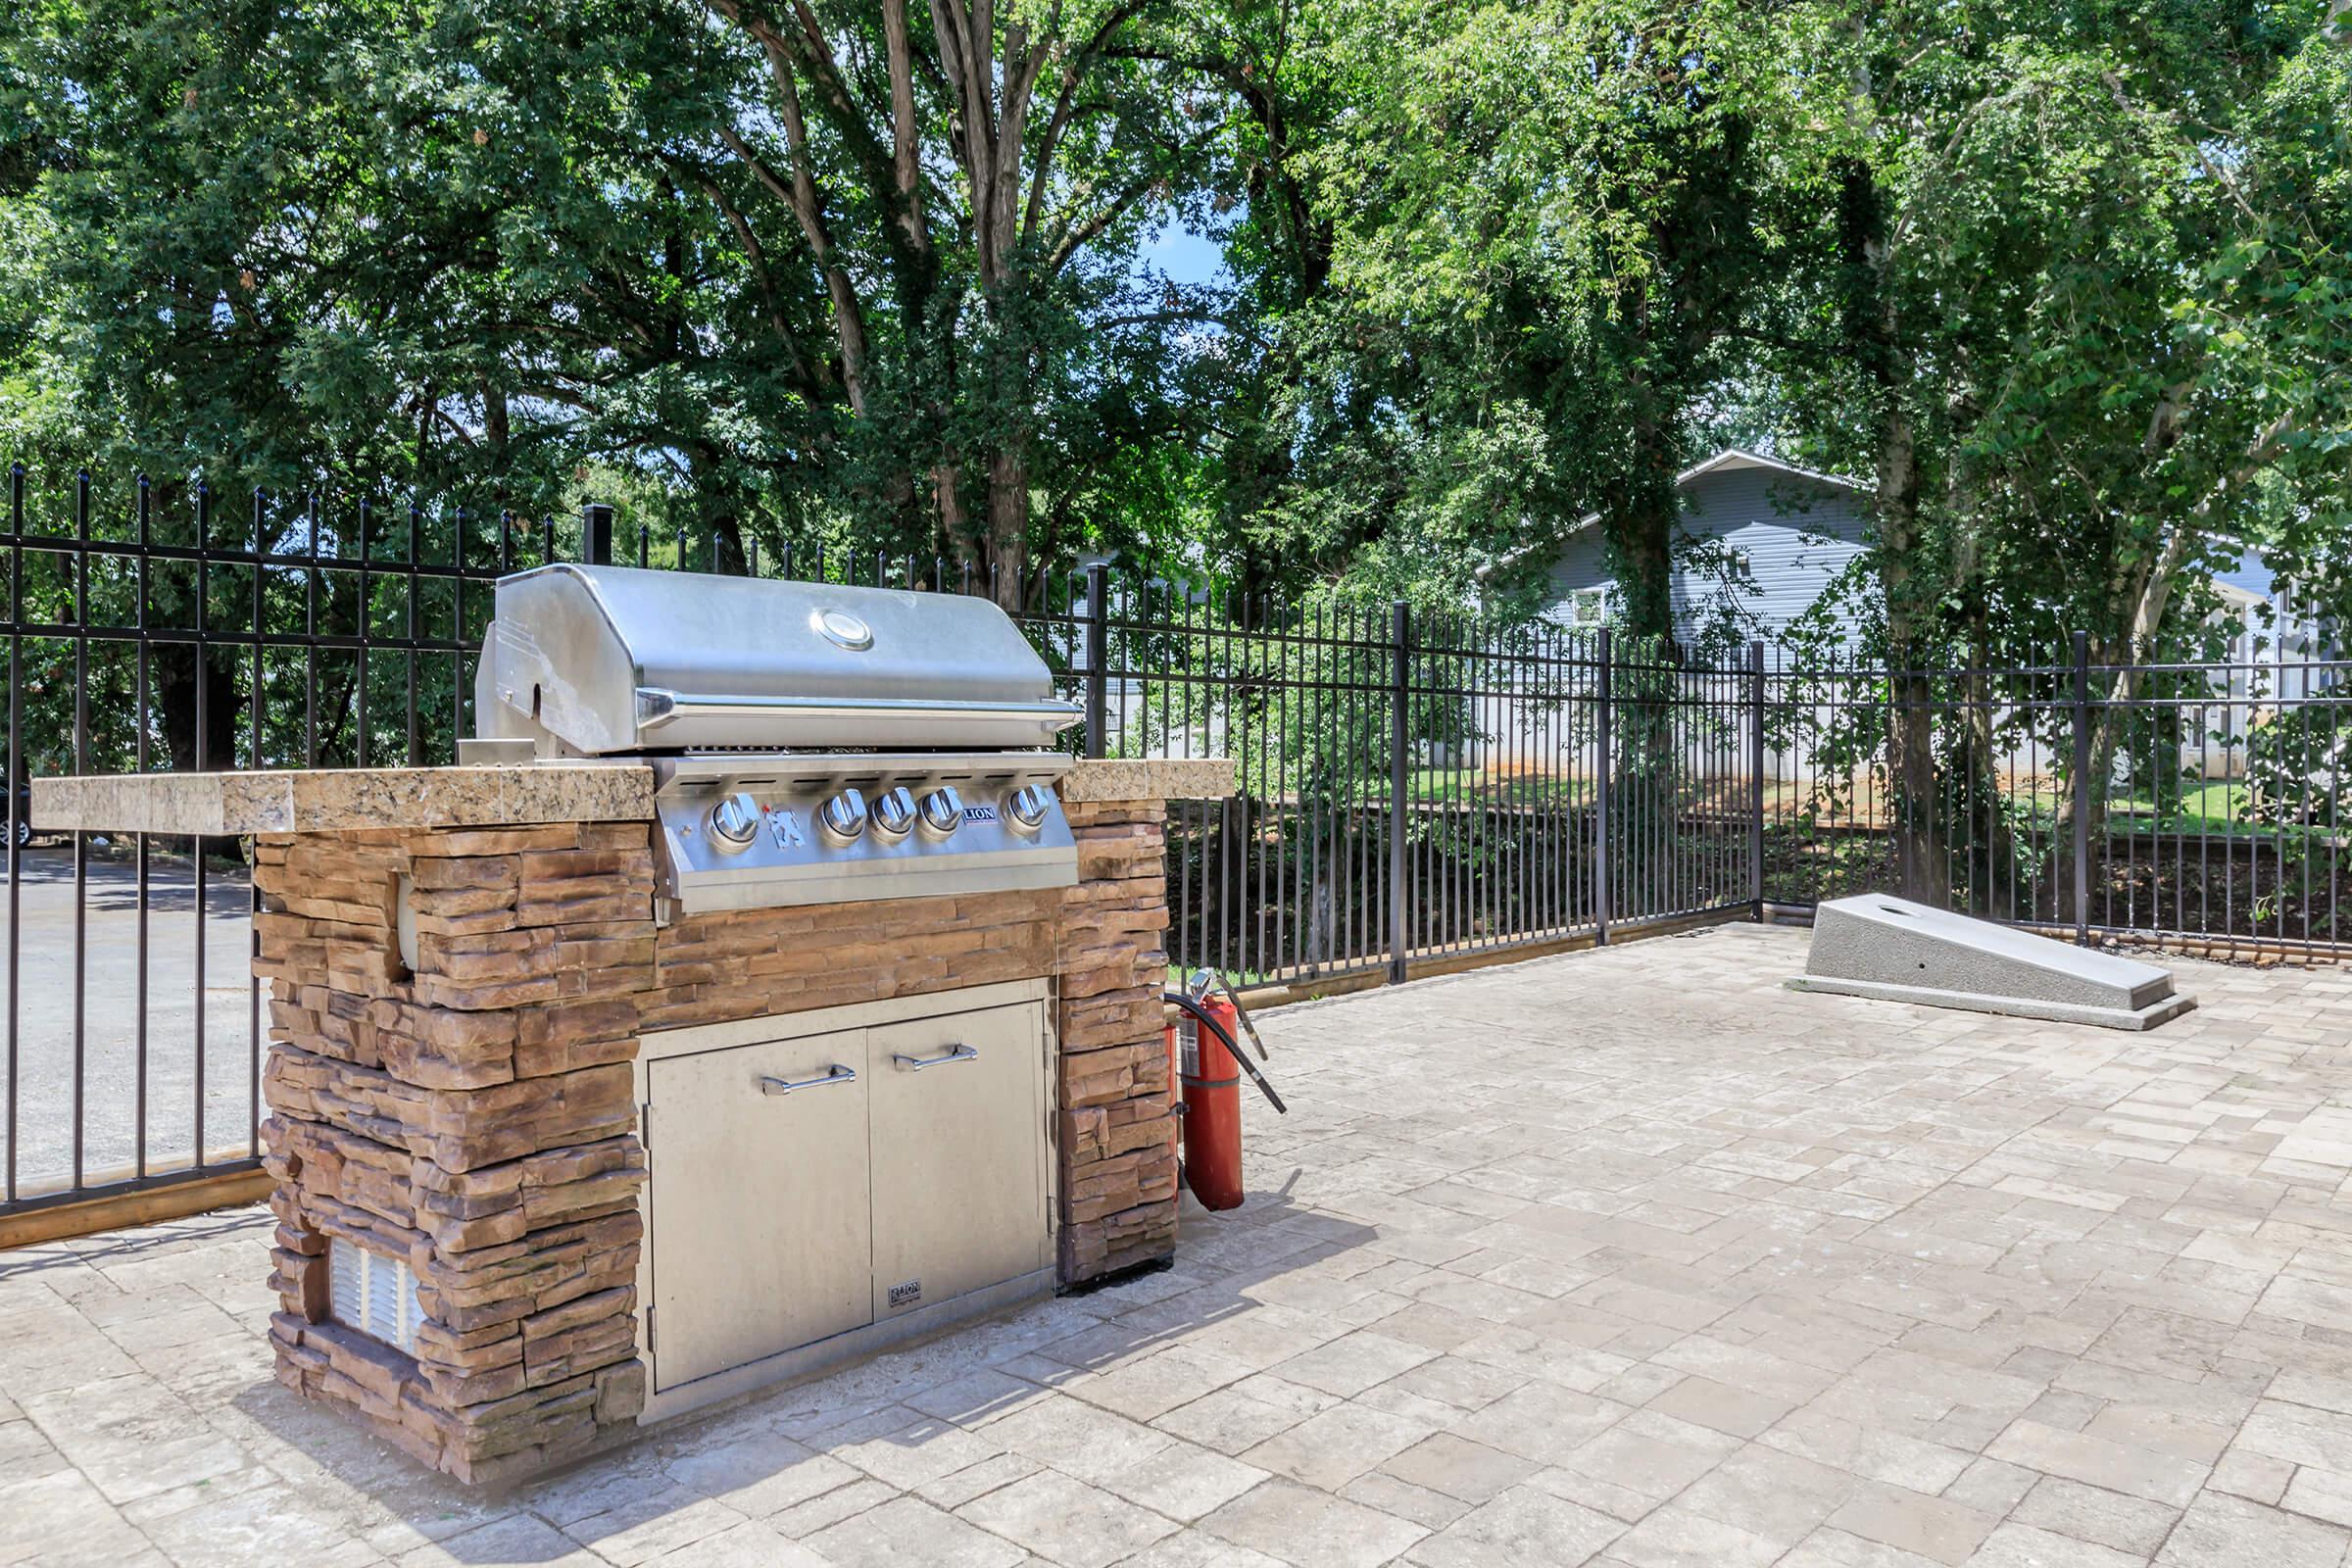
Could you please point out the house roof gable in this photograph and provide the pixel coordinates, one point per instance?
(1735, 459)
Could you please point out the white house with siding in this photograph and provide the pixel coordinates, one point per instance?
(1761, 542)
(2280, 655)
(1758, 543)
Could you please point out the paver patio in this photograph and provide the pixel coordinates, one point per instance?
(1629, 1258)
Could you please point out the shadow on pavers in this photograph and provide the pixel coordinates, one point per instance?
(735, 1445)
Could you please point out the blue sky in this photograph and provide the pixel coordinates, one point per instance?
(1186, 257)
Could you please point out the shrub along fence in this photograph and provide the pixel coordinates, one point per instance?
(1414, 786)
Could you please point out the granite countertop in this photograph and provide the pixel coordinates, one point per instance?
(1149, 779)
(344, 799)
(496, 795)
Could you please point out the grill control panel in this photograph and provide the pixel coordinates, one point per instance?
(740, 832)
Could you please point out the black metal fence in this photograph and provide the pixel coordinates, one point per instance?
(2190, 802)
(1417, 787)
(1413, 786)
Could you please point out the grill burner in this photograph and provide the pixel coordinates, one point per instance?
(781, 721)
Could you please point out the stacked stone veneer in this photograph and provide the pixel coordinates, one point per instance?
(1119, 1152)
(477, 1116)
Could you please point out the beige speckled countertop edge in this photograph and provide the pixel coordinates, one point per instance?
(353, 800)
(1149, 779)
(343, 800)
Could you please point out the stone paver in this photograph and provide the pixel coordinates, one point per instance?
(1623, 1259)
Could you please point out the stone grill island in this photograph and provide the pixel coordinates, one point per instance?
(552, 1162)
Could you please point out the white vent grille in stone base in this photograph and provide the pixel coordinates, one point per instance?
(373, 1293)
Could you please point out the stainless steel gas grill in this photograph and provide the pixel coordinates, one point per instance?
(810, 743)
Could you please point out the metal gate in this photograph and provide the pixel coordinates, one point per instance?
(156, 629)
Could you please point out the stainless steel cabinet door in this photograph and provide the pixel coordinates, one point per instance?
(759, 1202)
(959, 1149)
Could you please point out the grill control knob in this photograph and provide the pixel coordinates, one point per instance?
(844, 817)
(734, 823)
(893, 813)
(943, 812)
(1028, 805)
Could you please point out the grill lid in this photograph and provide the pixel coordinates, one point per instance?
(591, 660)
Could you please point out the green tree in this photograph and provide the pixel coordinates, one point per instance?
(813, 273)
(2072, 310)
(1555, 224)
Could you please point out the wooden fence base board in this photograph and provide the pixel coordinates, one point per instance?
(145, 1205)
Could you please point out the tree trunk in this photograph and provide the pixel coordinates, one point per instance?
(905, 154)
(1645, 562)
(2113, 703)
(2148, 595)
(808, 206)
(1921, 863)
(173, 675)
(717, 513)
(1322, 907)
(1009, 522)
(496, 431)
(1873, 329)
(1982, 774)
(1639, 521)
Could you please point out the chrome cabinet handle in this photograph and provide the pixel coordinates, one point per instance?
(919, 1064)
(836, 1074)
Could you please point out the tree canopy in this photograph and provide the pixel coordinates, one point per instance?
(2069, 286)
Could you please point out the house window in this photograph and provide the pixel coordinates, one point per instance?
(1589, 607)
(373, 1293)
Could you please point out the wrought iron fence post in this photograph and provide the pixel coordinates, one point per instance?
(1755, 820)
(1602, 768)
(596, 534)
(1098, 644)
(17, 775)
(1401, 778)
(2083, 788)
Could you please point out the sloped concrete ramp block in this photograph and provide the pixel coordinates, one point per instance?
(1896, 951)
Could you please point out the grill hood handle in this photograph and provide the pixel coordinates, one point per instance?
(658, 705)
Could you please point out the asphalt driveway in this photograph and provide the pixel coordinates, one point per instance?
(45, 944)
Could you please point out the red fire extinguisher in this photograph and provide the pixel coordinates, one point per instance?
(1206, 1061)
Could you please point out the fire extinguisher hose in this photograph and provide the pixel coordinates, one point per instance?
(1234, 999)
(1202, 1018)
